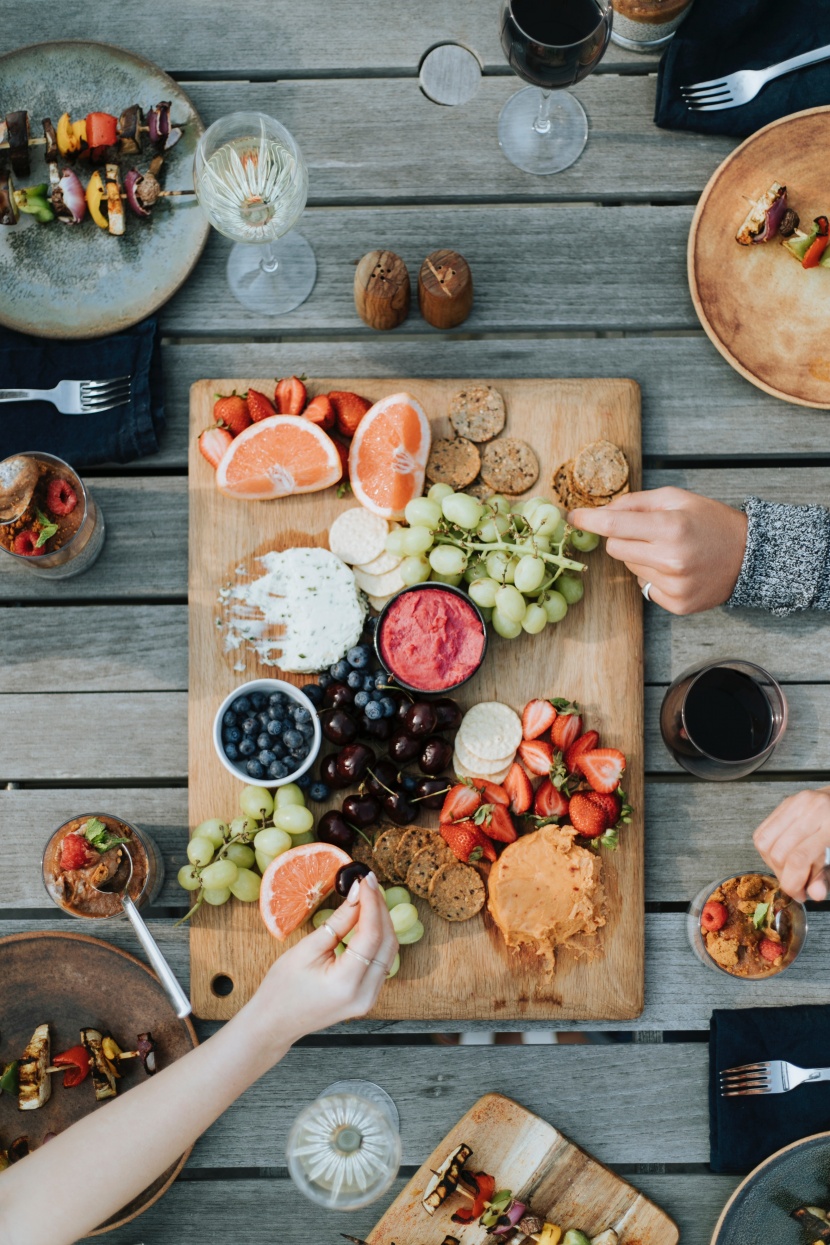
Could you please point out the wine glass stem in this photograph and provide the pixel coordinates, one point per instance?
(269, 261)
(542, 123)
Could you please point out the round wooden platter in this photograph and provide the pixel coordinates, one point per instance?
(70, 981)
(766, 315)
(759, 1209)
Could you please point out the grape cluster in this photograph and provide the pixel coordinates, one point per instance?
(513, 557)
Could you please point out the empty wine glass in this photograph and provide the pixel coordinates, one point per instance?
(252, 183)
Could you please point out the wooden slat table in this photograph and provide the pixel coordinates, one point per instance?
(582, 274)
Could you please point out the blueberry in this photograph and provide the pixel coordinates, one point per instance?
(254, 769)
(388, 706)
(276, 698)
(274, 728)
(229, 718)
(377, 695)
(307, 731)
(292, 740)
(319, 791)
(258, 700)
(301, 715)
(324, 679)
(263, 740)
(277, 770)
(247, 748)
(373, 711)
(314, 692)
(340, 671)
(368, 682)
(371, 624)
(266, 757)
(231, 752)
(304, 782)
(354, 678)
(278, 748)
(242, 705)
(381, 680)
(361, 700)
(231, 734)
(409, 782)
(358, 657)
(250, 727)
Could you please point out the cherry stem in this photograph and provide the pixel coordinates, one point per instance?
(382, 784)
(417, 799)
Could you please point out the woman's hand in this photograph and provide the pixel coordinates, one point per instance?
(793, 841)
(688, 547)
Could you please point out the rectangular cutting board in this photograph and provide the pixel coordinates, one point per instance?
(594, 656)
(544, 1170)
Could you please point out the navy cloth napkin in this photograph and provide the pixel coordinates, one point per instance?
(119, 435)
(745, 1131)
(719, 37)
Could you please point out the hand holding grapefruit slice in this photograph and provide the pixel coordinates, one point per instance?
(296, 883)
(388, 455)
(279, 456)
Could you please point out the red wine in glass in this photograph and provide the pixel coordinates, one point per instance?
(552, 44)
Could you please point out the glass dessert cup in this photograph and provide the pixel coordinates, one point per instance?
(642, 25)
(148, 871)
(791, 926)
(80, 550)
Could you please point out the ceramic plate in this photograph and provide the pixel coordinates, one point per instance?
(767, 316)
(759, 1209)
(77, 281)
(69, 981)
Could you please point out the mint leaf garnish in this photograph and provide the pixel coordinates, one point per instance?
(102, 839)
(47, 529)
(760, 915)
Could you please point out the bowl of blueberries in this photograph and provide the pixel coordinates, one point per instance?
(267, 732)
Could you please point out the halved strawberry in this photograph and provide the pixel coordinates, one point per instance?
(212, 444)
(549, 802)
(349, 409)
(604, 768)
(462, 801)
(566, 729)
(259, 406)
(538, 716)
(536, 755)
(498, 823)
(492, 793)
(585, 743)
(519, 788)
(586, 817)
(320, 411)
(232, 411)
(467, 841)
(290, 396)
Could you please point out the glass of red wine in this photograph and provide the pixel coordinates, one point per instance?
(722, 720)
(552, 44)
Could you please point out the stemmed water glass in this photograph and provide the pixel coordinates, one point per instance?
(252, 183)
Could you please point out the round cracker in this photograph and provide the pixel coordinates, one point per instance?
(490, 730)
(426, 863)
(379, 603)
(386, 844)
(599, 469)
(379, 585)
(412, 842)
(461, 771)
(358, 535)
(455, 462)
(478, 767)
(380, 565)
(457, 892)
(509, 465)
(477, 412)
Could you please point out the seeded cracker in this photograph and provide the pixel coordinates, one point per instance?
(386, 844)
(509, 465)
(455, 462)
(363, 853)
(412, 842)
(456, 892)
(600, 469)
(477, 413)
(425, 864)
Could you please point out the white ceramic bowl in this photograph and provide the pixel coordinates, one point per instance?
(267, 687)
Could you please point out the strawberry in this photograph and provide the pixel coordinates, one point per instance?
(259, 407)
(320, 411)
(714, 916)
(518, 787)
(467, 841)
(536, 755)
(538, 716)
(343, 451)
(349, 409)
(611, 803)
(604, 768)
(75, 852)
(290, 396)
(497, 823)
(587, 818)
(61, 497)
(232, 412)
(549, 801)
(462, 801)
(212, 444)
(585, 743)
(25, 543)
(492, 793)
(770, 950)
(566, 729)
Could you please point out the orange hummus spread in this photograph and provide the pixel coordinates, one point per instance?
(545, 891)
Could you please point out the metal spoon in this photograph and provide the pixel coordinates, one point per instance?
(118, 884)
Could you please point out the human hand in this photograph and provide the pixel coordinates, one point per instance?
(793, 841)
(688, 547)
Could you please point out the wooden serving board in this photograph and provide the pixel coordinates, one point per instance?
(545, 1170)
(595, 656)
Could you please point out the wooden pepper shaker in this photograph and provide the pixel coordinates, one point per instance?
(445, 289)
(382, 290)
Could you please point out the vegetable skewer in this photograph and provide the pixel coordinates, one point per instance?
(98, 136)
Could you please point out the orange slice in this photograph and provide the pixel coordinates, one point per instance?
(295, 883)
(276, 457)
(389, 454)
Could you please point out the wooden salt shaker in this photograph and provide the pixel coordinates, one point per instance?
(445, 289)
(382, 290)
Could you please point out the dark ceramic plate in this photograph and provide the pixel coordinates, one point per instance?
(78, 281)
(70, 980)
(759, 1209)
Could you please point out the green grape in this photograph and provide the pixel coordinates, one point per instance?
(294, 819)
(321, 916)
(349, 935)
(394, 542)
(483, 592)
(505, 626)
(424, 512)
(414, 934)
(497, 565)
(339, 949)
(585, 542)
(463, 510)
(396, 963)
(493, 527)
(243, 857)
(403, 916)
(486, 612)
(447, 560)
(244, 825)
(510, 603)
(535, 620)
(452, 580)
(256, 802)
(263, 860)
(396, 895)
(476, 569)
(272, 842)
(289, 796)
(530, 507)
(517, 510)
(439, 491)
(417, 540)
(554, 605)
(529, 576)
(545, 519)
(246, 886)
(571, 587)
(213, 830)
(188, 878)
(558, 533)
(220, 874)
(200, 851)
(414, 571)
(300, 839)
(217, 896)
(498, 503)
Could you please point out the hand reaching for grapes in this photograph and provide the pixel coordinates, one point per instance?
(793, 841)
(689, 548)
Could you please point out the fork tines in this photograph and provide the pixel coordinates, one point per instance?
(748, 1079)
(101, 395)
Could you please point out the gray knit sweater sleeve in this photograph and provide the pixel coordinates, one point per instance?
(786, 564)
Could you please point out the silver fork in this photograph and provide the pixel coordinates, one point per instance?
(774, 1076)
(734, 89)
(76, 397)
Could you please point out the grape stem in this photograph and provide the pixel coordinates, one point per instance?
(565, 564)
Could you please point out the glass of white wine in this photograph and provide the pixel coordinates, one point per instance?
(252, 184)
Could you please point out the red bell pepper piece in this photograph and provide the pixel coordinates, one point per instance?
(76, 1061)
(482, 1186)
(101, 133)
(818, 245)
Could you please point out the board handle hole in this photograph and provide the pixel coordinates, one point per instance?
(222, 985)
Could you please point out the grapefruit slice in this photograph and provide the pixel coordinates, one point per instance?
(388, 455)
(276, 457)
(295, 883)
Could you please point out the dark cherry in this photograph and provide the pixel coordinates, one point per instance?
(333, 828)
(431, 792)
(353, 761)
(348, 875)
(383, 779)
(339, 695)
(403, 747)
(402, 708)
(339, 726)
(421, 718)
(436, 755)
(400, 809)
(449, 714)
(377, 728)
(361, 810)
(330, 774)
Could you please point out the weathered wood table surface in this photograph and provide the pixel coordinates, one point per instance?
(581, 274)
